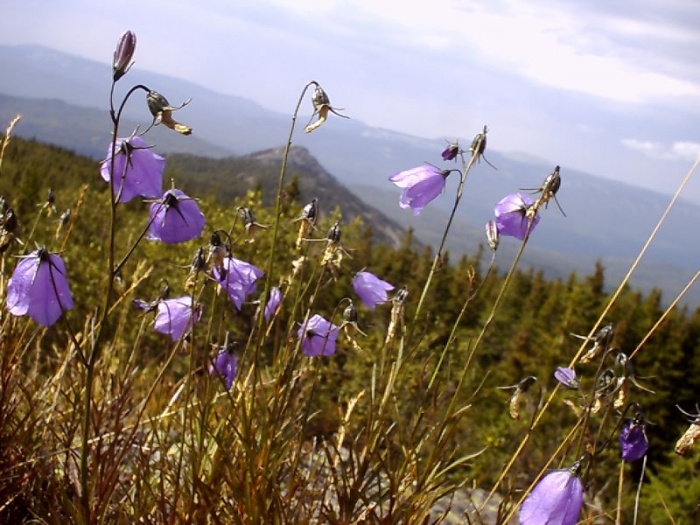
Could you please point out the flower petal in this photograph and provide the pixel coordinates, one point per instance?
(20, 284)
(371, 289)
(175, 317)
(556, 500)
(318, 336)
(137, 169)
(176, 218)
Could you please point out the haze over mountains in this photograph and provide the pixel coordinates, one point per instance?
(64, 101)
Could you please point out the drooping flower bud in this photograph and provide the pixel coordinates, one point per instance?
(251, 225)
(225, 364)
(601, 340)
(308, 218)
(479, 146)
(197, 266)
(349, 325)
(567, 377)
(520, 390)
(162, 112)
(605, 386)
(633, 439)
(273, 303)
(397, 313)
(492, 235)
(322, 105)
(121, 63)
(691, 435)
(451, 151)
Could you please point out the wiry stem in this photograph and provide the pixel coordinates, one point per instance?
(109, 288)
(612, 300)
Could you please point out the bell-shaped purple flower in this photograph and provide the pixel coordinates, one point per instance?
(420, 186)
(556, 500)
(451, 151)
(238, 278)
(138, 172)
(226, 363)
(318, 336)
(39, 288)
(567, 377)
(513, 215)
(175, 218)
(176, 317)
(371, 289)
(633, 440)
(273, 303)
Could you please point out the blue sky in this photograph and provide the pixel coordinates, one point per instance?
(610, 89)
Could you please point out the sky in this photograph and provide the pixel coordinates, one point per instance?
(612, 88)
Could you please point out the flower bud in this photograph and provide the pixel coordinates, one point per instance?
(492, 235)
(123, 54)
(319, 99)
(162, 112)
(451, 151)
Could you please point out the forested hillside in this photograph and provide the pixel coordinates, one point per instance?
(447, 357)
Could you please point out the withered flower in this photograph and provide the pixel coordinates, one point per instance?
(162, 112)
(322, 106)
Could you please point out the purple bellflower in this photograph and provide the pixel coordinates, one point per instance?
(556, 500)
(39, 288)
(512, 215)
(567, 377)
(318, 336)
(273, 303)
(420, 186)
(451, 151)
(176, 317)
(238, 278)
(633, 439)
(226, 363)
(138, 171)
(371, 289)
(175, 218)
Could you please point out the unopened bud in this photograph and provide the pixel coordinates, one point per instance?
(123, 54)
(492, 235)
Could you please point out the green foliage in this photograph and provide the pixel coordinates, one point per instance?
(392, 420)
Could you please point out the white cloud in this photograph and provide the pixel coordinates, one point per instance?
(558, 45)
(682, 150)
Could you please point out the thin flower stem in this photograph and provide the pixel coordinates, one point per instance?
(109, 287)
(617, 293)
(637, 260)
(620, 483)
(278, 206)
(639, 490)
(544, 468)
(668, 310)
(451, 337)
(438, 254)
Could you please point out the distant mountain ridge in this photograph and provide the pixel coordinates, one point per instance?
(605, 220)
(232, 176)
